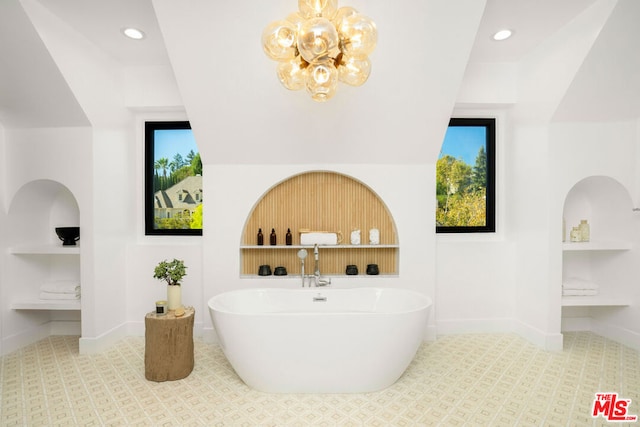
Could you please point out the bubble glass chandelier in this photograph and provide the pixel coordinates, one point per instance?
(319, 45)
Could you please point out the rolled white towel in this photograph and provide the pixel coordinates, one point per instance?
(61, 287)
(577, 283)
(59, 296)
(318, 238)
(579, 292)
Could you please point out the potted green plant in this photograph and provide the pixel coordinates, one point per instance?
(172, 272)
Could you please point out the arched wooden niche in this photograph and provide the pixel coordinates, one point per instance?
(320, 201)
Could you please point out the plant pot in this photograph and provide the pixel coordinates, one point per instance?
(174, 296)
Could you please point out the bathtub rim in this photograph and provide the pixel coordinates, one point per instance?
(427, 302)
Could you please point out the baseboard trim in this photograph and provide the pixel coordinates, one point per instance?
(546, 341)
(24, 338)
(93, 345)
(616, 333)
(39, 332)
(550, 342)
(473, 326)
(109, 338)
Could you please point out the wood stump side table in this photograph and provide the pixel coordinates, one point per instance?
(168, 347)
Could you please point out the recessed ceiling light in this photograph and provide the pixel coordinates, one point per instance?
(133, 33)
(502, 35)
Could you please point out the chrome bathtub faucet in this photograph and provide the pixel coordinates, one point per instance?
(318, 279)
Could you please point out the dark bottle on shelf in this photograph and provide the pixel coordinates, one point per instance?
(272, 237)
(260, 237)
(289, 237)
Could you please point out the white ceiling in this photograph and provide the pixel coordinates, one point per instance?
(26, 68)
(531, 23)
(101, 21)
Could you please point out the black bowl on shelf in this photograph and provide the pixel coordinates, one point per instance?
(264, 270)
(280, 271)
(68, 235)
(352, 270)
(372, 269)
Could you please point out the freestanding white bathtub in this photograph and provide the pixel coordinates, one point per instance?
(319, 340)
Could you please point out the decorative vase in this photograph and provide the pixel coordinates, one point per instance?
(174, 296)
(575, 235)
(585, 230)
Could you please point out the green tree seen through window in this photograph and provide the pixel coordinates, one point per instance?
(464, 177)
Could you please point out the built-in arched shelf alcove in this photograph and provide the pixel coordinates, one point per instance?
(320, 201)
(35, 254)
(606, 262)
(605, 203)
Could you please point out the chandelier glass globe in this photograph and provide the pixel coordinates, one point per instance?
(319, 45)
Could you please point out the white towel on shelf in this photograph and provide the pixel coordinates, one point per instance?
(577, 283)
(318, 238)
(61, 287)
(579, 292)
(59, 296)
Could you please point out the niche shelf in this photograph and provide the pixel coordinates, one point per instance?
(607, 258)
(597, 246)
(36, 255)
(595, 301)
(276, 247)
(320, 200)
(38, 304)
(44, 249)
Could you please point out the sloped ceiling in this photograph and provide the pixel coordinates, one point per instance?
(33, 92)
(607, 85)
(234, 100)
(531, 21)
(101, 22)
(214, 48)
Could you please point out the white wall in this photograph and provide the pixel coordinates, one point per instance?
(142, 252)
(476, 273)
(109, 176)
(3, 228)
(253, 134)
(232, 191)
(578, 153)
(241, 114)
(59, 159)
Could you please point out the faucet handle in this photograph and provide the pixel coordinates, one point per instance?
(324, 282)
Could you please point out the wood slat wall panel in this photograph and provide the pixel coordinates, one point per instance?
(332, 260)
(320, 201)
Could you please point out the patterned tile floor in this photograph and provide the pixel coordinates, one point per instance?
(460, 380)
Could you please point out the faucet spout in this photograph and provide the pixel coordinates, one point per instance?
(318, 279)
(316, 256)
